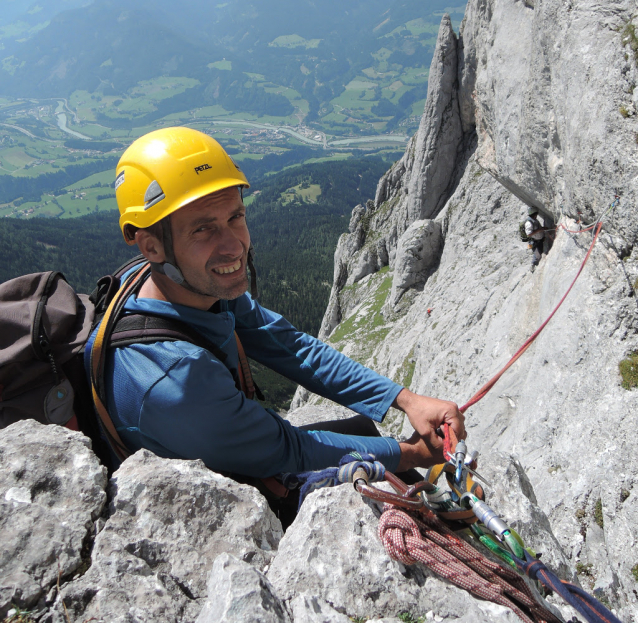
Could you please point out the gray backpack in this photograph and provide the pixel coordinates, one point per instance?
(44, 325)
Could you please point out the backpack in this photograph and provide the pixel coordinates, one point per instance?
(44, 327)
(521, 230)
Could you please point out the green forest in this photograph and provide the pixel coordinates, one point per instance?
(295, 218)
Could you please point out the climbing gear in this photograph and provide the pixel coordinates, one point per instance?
(425, 539)
(167, 169)
(412, 531)
(585, 604)
(353, 467)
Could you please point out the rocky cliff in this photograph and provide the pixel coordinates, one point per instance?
(533, 104)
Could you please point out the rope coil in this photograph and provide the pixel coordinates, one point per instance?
(429, 542)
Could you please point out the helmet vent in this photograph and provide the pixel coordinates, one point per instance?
(154, 194)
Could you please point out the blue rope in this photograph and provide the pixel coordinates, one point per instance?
(585, 604)
(332, 476)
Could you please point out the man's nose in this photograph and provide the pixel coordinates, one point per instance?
(230, 244)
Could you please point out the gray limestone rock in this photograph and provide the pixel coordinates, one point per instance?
(311, 609)
(310, 414)
(417, 252)
(440, 134)
(52, 490)
(553, 89)
(239, 593)
(168, 522)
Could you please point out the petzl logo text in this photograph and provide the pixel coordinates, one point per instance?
(202, 167)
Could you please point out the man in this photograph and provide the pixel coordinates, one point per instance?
(536, 233)
(179, 196)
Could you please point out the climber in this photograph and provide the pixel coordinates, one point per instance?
(536, 234)
(180, 200)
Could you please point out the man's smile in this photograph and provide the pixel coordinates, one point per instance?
(224, 270)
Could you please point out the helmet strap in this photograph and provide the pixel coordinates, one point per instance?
(169, 267)
(254, 293)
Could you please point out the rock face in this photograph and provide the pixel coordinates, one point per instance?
(51, 494)
(543, 94)
(168, 521)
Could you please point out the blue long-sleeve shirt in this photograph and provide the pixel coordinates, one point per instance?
(180, 401)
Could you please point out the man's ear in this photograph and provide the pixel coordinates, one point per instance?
(150, 246)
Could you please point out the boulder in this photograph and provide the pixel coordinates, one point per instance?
(168, 522)
(418, 252)
(52, 491)
(239, 593)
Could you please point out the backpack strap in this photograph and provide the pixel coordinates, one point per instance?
(248, 385)
(39, 338)
(98, 357)
(148, 328)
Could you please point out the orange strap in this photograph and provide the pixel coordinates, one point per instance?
(245, 375)
(98, 358)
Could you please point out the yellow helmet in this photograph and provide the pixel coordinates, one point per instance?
(166, 169)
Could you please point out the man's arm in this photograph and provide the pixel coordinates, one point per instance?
(327, 372)
(182, 402)
(271, 340)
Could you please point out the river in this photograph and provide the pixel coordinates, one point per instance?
(62, 122)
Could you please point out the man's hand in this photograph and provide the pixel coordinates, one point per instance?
(425, 447)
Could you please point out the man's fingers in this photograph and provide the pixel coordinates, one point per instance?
(457, 421)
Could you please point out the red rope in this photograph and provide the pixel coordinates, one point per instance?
(576, 231)
(486, 388)
(431, 543)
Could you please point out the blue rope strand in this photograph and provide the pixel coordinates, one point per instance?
(333, 476)
(588, 606)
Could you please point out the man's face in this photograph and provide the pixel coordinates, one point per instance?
(211, 242)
